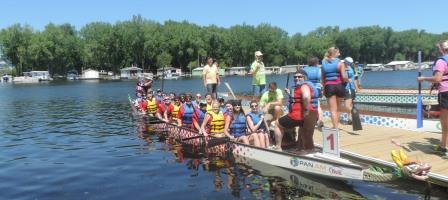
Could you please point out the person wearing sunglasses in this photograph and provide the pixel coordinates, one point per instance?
(333, 76)
(257, 125)
(213, 123)
(235, 126)
(303, 98)
(186, 112)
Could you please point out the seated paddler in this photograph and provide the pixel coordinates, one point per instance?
(213, 124)
(235, 125)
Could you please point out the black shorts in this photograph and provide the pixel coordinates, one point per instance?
(350, 95)
(338, 90)
(319, 91)
(287, 122)
(443, 100)
(211, 88)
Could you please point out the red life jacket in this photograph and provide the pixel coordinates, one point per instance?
(295, 108)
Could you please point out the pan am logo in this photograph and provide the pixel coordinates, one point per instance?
(294, 161)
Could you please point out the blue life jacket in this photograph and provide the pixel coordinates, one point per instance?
(314, 97)
(238, 125)
(256, 117)
(444, 58)
(314, 73)
(351, 76)
(187, 118)
(330, 69)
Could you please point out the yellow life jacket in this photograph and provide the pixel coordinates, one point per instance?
(175, 111)
(217, 123)
(209, 108)
(400, 158)
(152, 106)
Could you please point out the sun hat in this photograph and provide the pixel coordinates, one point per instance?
(348, 60)
(258, 53)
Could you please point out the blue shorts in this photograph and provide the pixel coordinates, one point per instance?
(257, 90)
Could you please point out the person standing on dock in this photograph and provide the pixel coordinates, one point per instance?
(315, 76)
(350, 88)
(440, 78)
(333, 75)
(210, 75)
(258, 75)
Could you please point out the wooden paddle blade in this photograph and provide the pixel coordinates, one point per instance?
(356, 119)
(217, 141)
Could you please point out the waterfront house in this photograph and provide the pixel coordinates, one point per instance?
(374, 67)
(41, 75)
(288, 69)
(272, 70)
(169, 73)
(90, 74)
(240, 71)
(198, 71)
(401, 65)
(131, 73)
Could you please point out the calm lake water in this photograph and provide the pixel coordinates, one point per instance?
(77, 140)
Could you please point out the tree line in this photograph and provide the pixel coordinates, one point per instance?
(151, 45)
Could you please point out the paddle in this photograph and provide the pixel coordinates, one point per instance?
(419, 96)
(230, 90)
(356, 120)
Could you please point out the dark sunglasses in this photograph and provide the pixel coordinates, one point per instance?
(253, 105)
(298, 76)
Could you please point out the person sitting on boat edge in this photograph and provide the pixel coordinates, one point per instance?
(314, 73)
(302, 112)
(271, 102)
(199, 115)
(412, 169)
(257, 125)
(186, 112)
(213, 123)
(152, 104)
(165, 110)
(140, 102)
(235, 126)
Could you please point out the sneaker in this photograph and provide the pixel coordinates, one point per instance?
(320, 125)
(439, 149)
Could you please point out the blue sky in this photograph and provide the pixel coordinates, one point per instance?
(292, 16)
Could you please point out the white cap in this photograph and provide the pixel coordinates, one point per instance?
(258, 53)
(348, 60)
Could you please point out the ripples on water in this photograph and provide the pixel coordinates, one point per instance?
(76, 140)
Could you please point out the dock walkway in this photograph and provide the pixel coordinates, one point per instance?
(375, 142)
